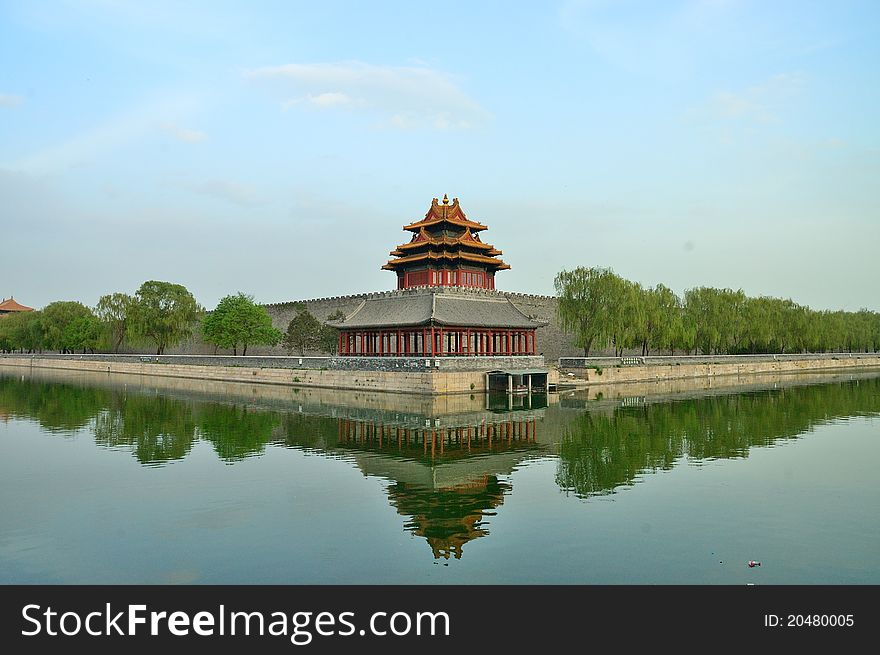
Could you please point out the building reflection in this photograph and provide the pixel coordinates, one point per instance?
(448, 474)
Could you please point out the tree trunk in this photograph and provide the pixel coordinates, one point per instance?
(244, 350)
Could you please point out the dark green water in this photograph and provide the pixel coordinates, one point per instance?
(133, 480)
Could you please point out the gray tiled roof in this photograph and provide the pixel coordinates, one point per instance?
(437, 307)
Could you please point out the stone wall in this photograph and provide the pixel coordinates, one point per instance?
(739, 367)
(551, 341)
(421, 382)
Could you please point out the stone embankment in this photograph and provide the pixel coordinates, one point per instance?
(394, 374)
(581, 371)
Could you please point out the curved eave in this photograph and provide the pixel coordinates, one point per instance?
(446, 241)
(497, 264)
(474, 227)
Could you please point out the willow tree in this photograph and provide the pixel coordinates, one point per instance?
(626, 312)
(114, 311)
(587, 305)
(662, 325)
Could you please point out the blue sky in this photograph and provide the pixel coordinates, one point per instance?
(278, 148)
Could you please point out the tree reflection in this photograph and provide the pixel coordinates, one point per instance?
(58, 408)
(600, 452)
(236, 431)
(158, 429)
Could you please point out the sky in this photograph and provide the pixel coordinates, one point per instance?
(277, 148)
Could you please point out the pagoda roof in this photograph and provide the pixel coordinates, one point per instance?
(12, 306)
(445, 254)
(437, 306)
(445, 213)
(423, 239)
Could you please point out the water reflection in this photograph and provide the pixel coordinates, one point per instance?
(612, 444)
(447, 475)
(446, 462)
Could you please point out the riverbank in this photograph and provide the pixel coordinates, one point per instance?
(411, 375)
(440, 376)
(589, 371)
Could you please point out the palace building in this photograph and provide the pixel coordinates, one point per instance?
(445, 303)
(10, 306)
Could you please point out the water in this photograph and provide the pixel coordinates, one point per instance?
(127, 479)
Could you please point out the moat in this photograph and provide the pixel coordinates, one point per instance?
(130, 479)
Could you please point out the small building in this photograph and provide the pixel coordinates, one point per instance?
(9, 306)
(445, 303)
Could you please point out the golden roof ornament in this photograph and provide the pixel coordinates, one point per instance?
(445, 199)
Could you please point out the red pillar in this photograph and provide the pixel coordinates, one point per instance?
(433, 342)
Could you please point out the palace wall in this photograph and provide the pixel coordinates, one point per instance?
(551, 341)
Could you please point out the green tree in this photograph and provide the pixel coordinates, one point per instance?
(83, 333)
(662, 319)
(585, 300)
(22, 331)
(114, 311)
(69, 326)
(238, 321)
(164, 313)
(303, 331)
(626, 313)
(329, 336)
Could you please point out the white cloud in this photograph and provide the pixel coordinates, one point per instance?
(8, 100)
(408, 97)
(329, 99)
(760, 102)
(116, 132)
(183, 134)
